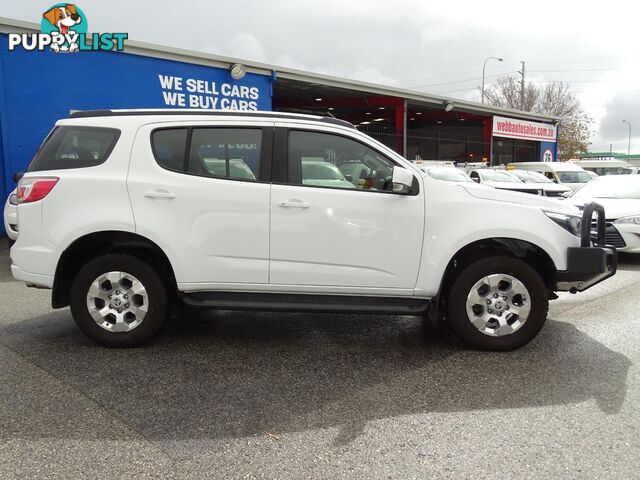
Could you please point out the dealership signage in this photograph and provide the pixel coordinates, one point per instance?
(524, 130)
(209, 94)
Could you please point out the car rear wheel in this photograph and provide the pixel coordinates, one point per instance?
(118, 300)
(497, 303)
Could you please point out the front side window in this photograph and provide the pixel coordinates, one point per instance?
(226, 152)
(332, 161)
(75, 147)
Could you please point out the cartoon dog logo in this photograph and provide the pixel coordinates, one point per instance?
(63, 18)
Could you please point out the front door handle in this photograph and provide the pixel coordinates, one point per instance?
(293, 203)
(160, 193)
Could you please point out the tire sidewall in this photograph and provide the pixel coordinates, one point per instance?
(156, 292)
(457, 298)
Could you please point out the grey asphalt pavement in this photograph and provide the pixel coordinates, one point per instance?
(269, 395)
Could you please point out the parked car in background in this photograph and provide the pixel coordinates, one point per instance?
(10, 218)
(321, 173)
(538, 180)
(502, 180)
(606, 167)
(620, 197)
(565, 173)
(447, 174)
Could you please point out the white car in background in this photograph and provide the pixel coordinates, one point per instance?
(502, 180)
(535, 179)
(11, 217)
(447, 174)
(620, 197)
(569, 174)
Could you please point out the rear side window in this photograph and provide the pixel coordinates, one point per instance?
(75, 147)
(169, 148)
(215, 152)
(226, 152)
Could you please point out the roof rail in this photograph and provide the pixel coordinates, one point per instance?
(185, 111)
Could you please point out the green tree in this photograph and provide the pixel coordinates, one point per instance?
(554, 99)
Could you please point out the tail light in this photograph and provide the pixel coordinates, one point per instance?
(33, 189)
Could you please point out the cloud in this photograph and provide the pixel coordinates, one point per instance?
(623, 106)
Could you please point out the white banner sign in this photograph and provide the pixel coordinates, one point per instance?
(522, 129)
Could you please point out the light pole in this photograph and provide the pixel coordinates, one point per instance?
(629, 144)
(484, 66)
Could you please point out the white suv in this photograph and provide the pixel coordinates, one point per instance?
(123, 212)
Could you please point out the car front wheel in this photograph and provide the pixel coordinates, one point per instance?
(497, 303)
(118, 300)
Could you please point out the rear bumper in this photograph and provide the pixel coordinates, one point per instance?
(586, 267)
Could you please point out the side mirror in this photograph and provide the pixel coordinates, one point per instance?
(475, 179)
(566, 194)
(402, 180)
(349, 178)
(17, 176)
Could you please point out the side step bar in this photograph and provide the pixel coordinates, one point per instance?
(280, 302)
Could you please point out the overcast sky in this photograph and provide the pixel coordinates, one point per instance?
(437, 47)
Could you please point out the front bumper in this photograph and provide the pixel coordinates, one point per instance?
(589, 264)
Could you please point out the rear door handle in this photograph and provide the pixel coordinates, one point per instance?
(293, 204)
(160, 193)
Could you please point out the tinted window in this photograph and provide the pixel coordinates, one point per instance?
(226, 152)
(325, 160)
(169, 147)
(74, 147)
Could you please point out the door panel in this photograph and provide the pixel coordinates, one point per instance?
(346, 236)
(212, 229)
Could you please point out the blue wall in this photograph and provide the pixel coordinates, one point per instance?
(38, 88)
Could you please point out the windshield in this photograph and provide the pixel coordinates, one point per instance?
(497, 176)
(627, 187)
(530, 177)
(448, 175)
(574, 177)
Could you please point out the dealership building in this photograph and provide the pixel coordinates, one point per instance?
(39, 87)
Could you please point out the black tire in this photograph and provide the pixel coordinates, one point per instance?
(155, 290)
(463, 284)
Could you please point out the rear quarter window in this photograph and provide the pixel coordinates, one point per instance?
(75, 147)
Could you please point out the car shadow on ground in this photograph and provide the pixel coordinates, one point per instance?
(233, 375)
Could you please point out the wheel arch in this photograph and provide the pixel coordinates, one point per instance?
(531, 253)
(110, 241)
